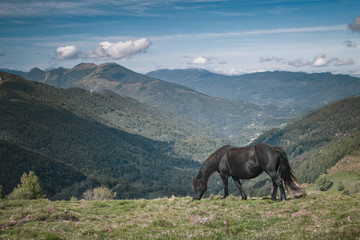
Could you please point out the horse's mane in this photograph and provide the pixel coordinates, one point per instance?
(210, 164)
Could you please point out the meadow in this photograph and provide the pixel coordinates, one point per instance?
(315, 215)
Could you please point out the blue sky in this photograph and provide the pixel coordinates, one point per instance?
(225, 36)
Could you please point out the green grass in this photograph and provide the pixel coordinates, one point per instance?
(317, 216)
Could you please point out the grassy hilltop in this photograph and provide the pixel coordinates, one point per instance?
(319, 215)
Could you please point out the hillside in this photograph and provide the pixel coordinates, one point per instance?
(332, 122)
(311, 165)
(238, 121)
(134, 117)
(291, 89)
(317, 216)
(40, 119)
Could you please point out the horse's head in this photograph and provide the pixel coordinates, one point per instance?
(199, 186)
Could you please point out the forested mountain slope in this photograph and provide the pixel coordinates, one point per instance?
(37, 117)
(332, 122)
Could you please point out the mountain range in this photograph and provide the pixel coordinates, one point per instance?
(82, 133)
(289, 89)
(239, 121)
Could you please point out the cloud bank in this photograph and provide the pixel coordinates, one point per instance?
(320, 60)
(105, 50)
(270, 59)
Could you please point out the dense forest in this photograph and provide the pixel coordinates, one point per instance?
(39, 119)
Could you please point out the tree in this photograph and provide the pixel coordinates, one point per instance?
(28, 189)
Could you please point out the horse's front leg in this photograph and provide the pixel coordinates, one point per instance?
(239, 186)
(224, 178)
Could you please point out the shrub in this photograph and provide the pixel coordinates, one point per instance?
(100, 193)
(29, 188)
(88, 195)
(346, 192)
(323, 183)
(341, 186)
(1, 189)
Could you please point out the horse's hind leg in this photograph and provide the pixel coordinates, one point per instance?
(278, 182)
(239, 186)
(275, 188)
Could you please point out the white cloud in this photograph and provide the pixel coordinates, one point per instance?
(322, 61)
(67, 52)
(355, 26)
(107, 50)
(200, 61)
(229, 71)
(299, 62)
(345, 62)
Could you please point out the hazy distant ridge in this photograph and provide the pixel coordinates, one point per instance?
(295, 89)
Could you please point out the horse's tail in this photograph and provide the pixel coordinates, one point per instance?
(285, 170)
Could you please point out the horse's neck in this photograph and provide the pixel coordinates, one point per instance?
(211, 164)
(208, 171)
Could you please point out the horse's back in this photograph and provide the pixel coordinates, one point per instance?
(242, 162)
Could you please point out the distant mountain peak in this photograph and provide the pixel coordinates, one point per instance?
(36, 70)
(85, 66)
(112, 65)
(109, 64)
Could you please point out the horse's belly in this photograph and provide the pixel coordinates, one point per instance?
(246, 173)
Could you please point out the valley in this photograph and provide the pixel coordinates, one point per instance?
(145, 138)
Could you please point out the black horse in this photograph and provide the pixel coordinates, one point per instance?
(245, 163)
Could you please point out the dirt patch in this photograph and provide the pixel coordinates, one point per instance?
(304, 212)
(197, 220)
(68, 216)
(16, 222)
(267, 214)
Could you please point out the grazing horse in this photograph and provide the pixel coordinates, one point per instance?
(245, 163)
